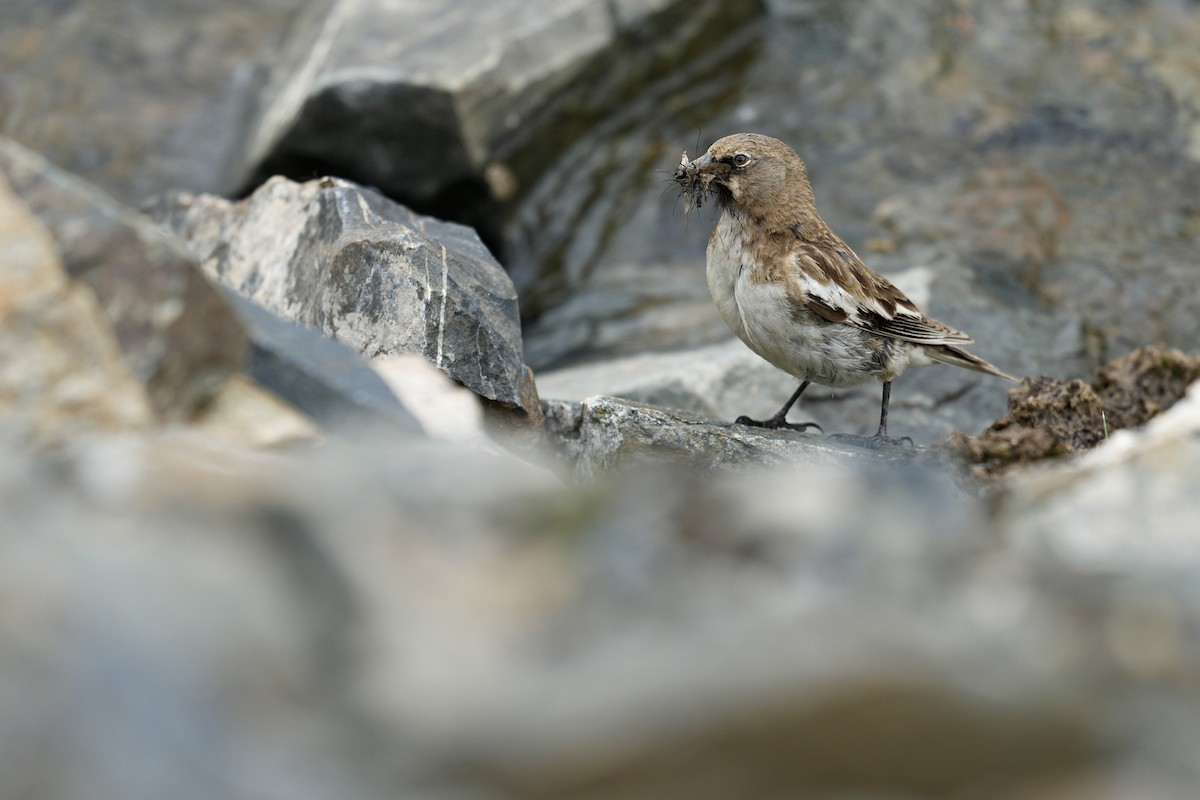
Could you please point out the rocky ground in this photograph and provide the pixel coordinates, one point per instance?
(364, 422)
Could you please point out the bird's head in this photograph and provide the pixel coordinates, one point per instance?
(752, 174)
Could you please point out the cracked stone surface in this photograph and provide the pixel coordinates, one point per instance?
(348, 262)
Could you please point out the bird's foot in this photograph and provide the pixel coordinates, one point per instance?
(775, 423)
(876, 442)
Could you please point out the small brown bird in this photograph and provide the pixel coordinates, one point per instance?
(794, 292)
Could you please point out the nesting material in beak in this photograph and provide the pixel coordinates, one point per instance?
(694, 181)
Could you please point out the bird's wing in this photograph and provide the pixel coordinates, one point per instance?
(834, 283)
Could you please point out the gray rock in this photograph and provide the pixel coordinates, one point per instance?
(1128, 502)
(181, 336)
(790, 629)
(349, 262)
(603, 434)
(722, 381)
(622, 313)
(61, 372)
(139, 98)
(443, 105)
(175, 330)
(326, 380)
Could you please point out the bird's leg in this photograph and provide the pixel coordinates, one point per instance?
(780, 418)
(883, 409)
(881, 436)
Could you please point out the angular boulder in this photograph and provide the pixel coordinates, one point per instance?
(372, 274)
(326, 380)
(175, 330)
(442, 104)
(61, 371)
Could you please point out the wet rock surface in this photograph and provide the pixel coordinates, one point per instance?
(603, 434)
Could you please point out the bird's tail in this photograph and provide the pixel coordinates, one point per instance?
(956, 356)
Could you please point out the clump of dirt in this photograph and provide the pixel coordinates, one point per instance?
(1048, 418)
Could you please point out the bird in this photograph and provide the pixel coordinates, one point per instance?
(795, 293)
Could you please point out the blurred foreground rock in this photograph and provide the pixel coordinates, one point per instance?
(177, 333)
(61, 371)
(417, 620)
(189, 346)
(140, 97)
(347, 261)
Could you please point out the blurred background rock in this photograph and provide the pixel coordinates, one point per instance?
(258, 537)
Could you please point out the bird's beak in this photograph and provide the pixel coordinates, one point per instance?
(695, 178)
(702, 162)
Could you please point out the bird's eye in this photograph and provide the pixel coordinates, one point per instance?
(741, 160)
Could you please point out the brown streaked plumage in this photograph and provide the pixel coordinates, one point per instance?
(794, 292)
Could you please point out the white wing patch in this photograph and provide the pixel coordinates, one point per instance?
(872, 315)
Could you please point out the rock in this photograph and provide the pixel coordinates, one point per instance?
(175, 330)
(445, 409)
(603, 434)
(699, 610)
(244, 413)
(61, 371)
(624, 313)
(791, 629)
(183, 337)
(348, 262)
(1048, 418)
(721, 381)
(168, 89)
(427, 102)
(326, 380)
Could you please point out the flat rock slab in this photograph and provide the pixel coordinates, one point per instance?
(603, 434)
(372, 274)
